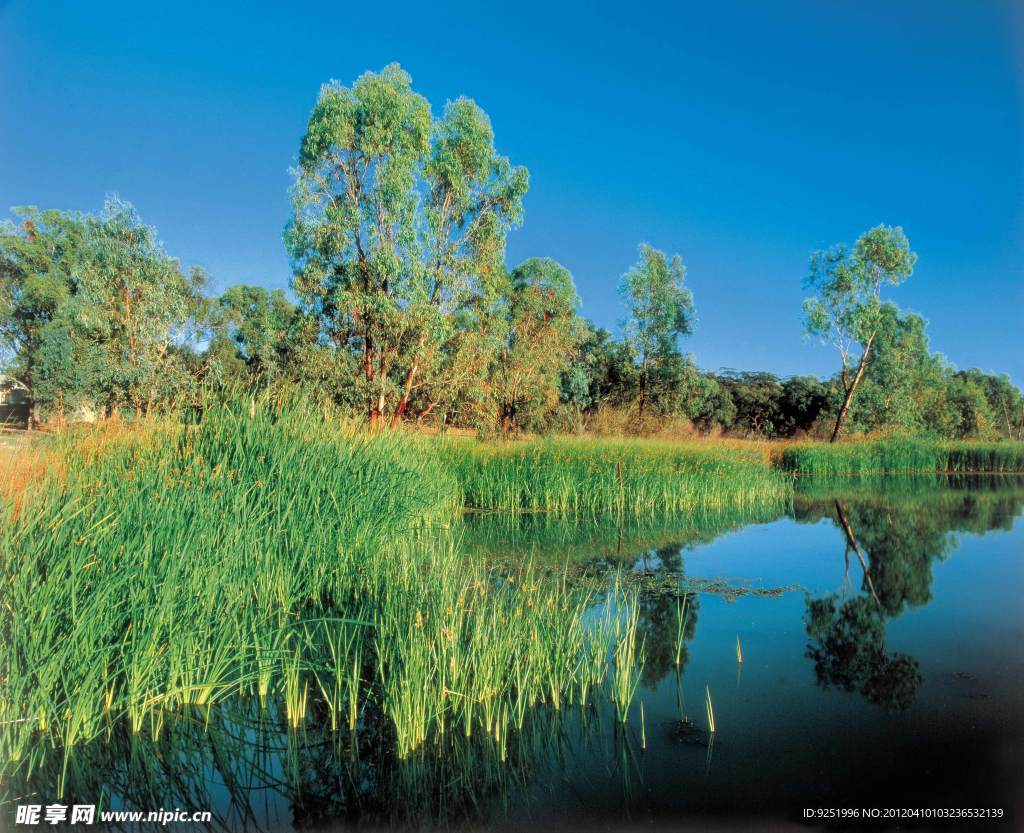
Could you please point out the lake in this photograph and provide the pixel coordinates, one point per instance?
(882, 642)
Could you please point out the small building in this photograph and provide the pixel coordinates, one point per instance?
(15, 403)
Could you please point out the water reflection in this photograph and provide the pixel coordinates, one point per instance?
(897, 529)
(241, 760)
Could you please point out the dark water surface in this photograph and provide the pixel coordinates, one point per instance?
(882, 636)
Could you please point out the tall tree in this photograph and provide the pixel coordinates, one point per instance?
(660, 312)
(846, 307)
(92, 308)
(399, 224)
(260, 325)
(137, 305)
(38, 256)
(541, 336)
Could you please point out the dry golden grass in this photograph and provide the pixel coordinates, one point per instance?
(24, 463)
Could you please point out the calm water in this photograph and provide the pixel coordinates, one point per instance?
(883, 665)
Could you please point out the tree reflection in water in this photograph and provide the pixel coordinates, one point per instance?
(240, 760)
(897, 529)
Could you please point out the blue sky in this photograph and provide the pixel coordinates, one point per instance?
(741, 135)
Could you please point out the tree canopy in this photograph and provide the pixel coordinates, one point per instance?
(401, 308)
(93, 309)
(398, 229)
(847, 307)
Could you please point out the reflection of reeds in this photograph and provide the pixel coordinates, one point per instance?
(643, 727)
(265, 552)
(680, 699)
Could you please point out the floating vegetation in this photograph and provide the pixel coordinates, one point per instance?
(729, 589)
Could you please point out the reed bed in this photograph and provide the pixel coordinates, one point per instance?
(267, 554)
(902, 456)
(591, 477)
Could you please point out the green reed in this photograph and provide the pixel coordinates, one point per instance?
(902, 456)
(629, 657)
(616, 477)
(274, 555)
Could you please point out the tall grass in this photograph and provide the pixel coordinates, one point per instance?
(274, 555)
(269, 555)
(902, 456)
(612, 477)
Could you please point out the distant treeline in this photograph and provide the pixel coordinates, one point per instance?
(403, 309)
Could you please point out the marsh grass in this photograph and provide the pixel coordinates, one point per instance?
(680, 635)
(629, 655)
(272, 556)
(570, 476)
(277, 556)
(902, 456)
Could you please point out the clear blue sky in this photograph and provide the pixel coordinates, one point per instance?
(741, 135)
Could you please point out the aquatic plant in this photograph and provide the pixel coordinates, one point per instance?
(680, 635)
(269, 553)
(629, 653)
(902, 456)
(613, 477)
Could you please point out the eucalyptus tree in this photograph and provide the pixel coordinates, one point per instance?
(92, 308)
(847, 308)
(660, 312)
(541, 335)
(138, 305)
(38, 256)
(260, 324)
(399, 223)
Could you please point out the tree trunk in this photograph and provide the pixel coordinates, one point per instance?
(373, 413)
(844, 409)
(851, 543)
(643, 393)
(403, 403)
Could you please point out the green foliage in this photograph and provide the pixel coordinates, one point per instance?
(847, 284)
(766, 406)
(93, 310)
(846, 307)
(660, 312)
(271, 554)
(397, 237)
(604, 372)
(256, 328)
(541, 334)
